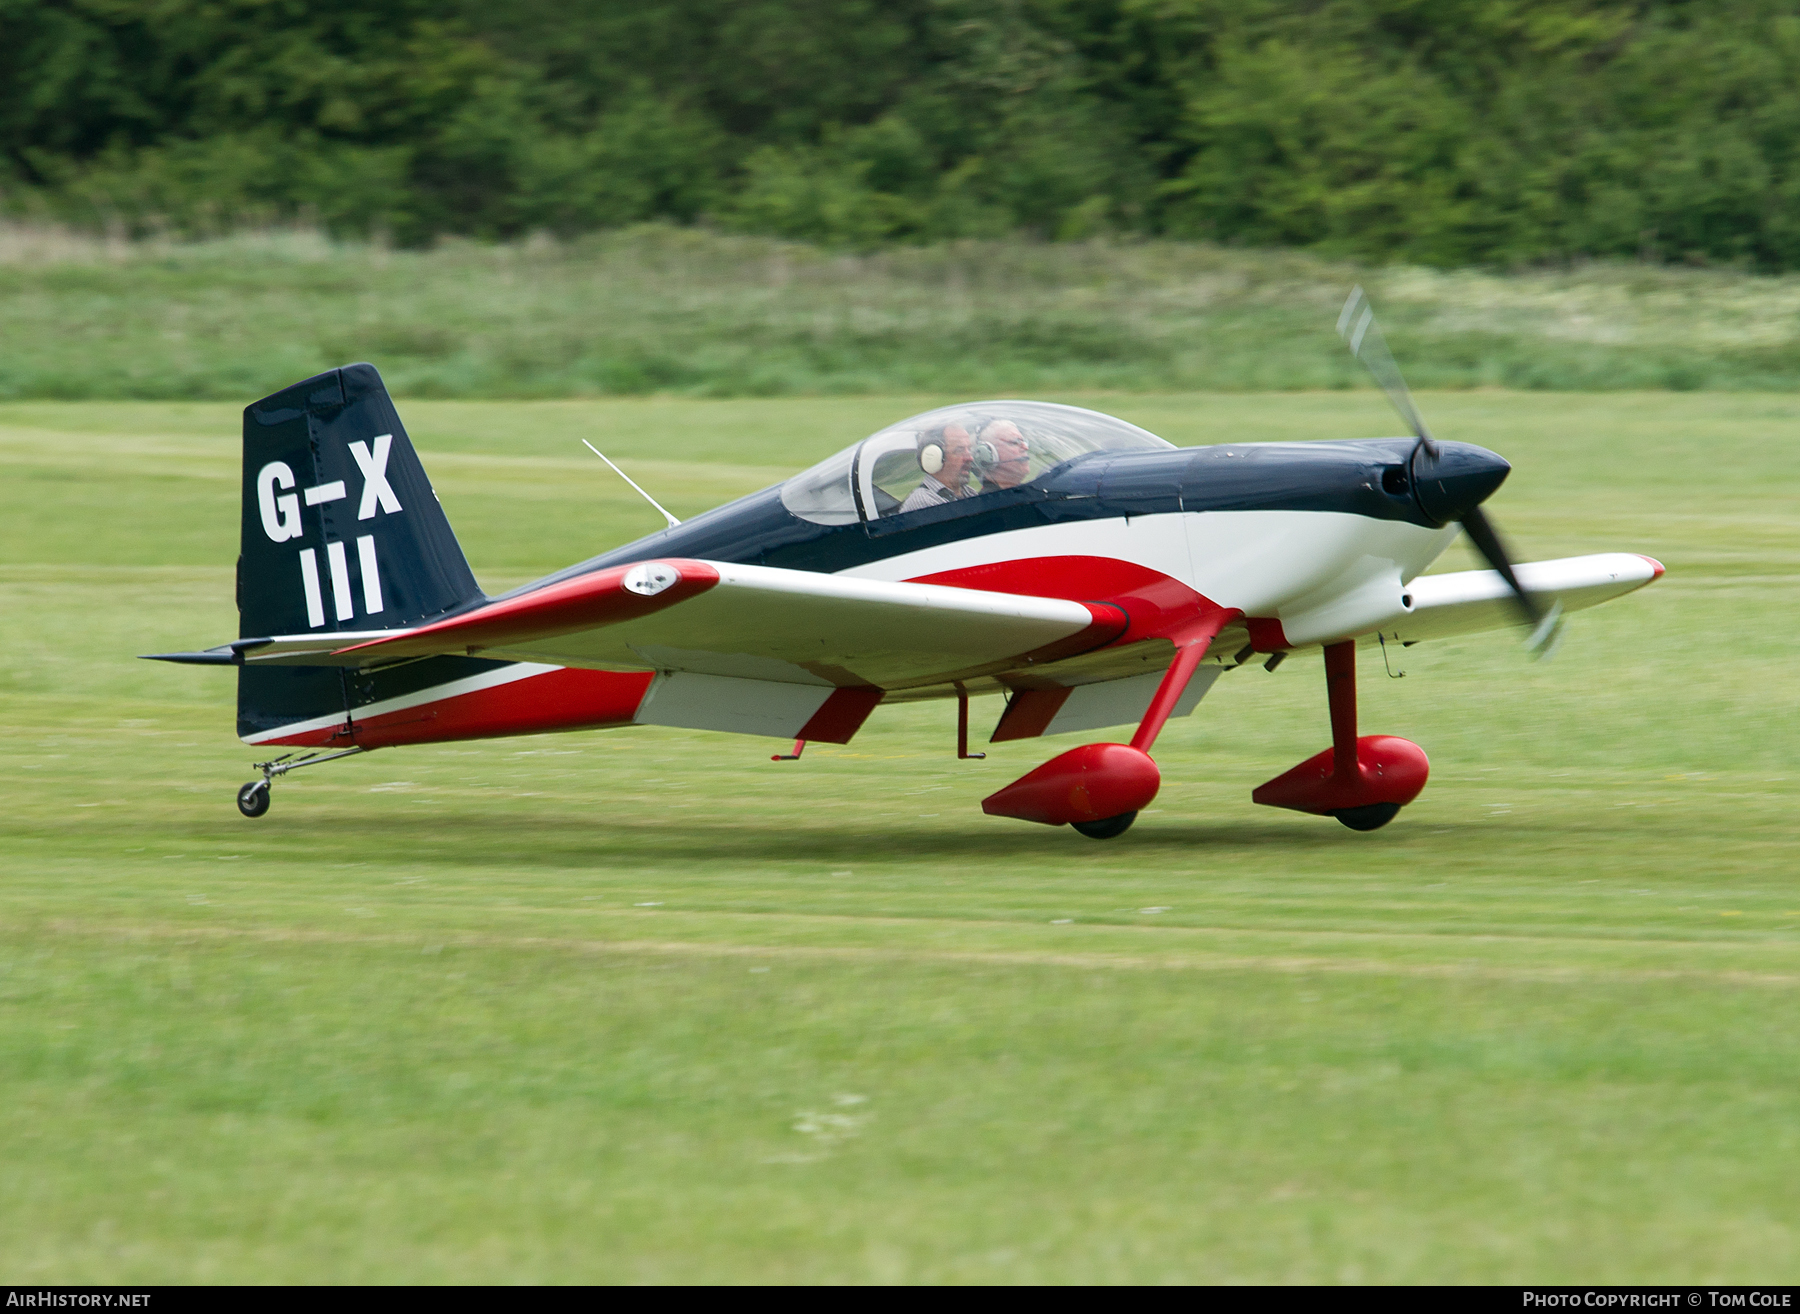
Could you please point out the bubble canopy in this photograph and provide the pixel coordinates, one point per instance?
(954, 454)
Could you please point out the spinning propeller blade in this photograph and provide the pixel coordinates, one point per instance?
(1357, 326)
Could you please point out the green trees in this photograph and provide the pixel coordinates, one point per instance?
(1437, 131)
(1499, 130)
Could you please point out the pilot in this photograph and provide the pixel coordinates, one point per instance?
(944, 455)
(1003, 456)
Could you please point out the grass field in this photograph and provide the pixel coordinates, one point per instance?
(644, 1005)
(690, 312)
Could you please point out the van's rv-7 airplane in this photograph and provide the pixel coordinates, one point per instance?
(1085, 569)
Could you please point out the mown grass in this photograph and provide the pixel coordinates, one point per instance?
(646, 1005)
(688, 312)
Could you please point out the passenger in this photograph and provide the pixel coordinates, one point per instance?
(944, 457)
(1004, 456)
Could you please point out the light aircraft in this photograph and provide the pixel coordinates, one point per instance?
(1091, 573)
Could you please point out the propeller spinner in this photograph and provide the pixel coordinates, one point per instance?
(1449, 481)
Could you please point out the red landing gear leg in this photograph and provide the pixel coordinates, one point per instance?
(1362, 782)
(1100, 788)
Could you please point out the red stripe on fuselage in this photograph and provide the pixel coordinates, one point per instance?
(564, 699)
(1157, 605)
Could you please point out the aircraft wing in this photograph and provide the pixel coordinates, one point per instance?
(1470, 601)
(741, 621)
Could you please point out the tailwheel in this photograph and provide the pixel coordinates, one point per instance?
(1370, 816)
(253, 798)
(1106, 827)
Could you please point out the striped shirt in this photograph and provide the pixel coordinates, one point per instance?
(929, 493)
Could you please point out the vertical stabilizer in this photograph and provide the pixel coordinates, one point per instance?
(341, 531)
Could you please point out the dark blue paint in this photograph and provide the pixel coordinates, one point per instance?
(1343, 477)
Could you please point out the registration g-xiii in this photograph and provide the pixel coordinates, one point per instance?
(1090, 573)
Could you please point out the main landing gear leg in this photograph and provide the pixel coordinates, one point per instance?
(253, 798)
(1362, 782)
(1100, 788)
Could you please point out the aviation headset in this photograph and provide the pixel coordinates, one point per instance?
(931, 450)
(986, 455)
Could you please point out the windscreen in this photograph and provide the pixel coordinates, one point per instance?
(954, 454)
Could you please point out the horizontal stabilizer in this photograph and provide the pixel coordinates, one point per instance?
(221, 656)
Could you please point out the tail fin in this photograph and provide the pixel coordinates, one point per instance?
(341, 531)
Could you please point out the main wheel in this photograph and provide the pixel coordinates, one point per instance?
(253, 798)
(1106, 827)
(1370, 816)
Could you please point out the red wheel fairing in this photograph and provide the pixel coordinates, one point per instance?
(1089, 783)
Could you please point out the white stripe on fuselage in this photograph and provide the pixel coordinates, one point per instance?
(1260, 562)
(434, 693)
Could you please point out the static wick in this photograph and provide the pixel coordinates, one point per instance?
(634, 483)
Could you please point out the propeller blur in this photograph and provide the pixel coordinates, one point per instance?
(1448, 488)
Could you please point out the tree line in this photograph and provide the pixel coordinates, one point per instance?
(1445, 132)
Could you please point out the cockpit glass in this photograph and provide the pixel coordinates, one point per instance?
(823, 494)
(954, 454)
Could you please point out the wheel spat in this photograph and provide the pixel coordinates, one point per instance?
(1357, 326)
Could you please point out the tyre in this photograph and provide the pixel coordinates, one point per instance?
(1107, 827)
(1371, 816)
(253, 798)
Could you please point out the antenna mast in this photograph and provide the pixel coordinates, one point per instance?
(634, 483)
